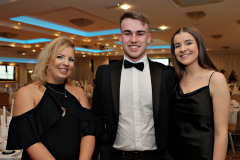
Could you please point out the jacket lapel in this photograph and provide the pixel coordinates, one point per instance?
(115, 71)
(156, 73)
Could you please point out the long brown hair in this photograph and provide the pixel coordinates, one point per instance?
(203, 59)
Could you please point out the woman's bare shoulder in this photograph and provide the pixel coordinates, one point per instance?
(218, 77)
(26, 98)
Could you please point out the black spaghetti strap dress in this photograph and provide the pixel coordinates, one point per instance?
(60, 134)
(193, 133)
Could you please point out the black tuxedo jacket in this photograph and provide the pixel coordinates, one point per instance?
(105, 104)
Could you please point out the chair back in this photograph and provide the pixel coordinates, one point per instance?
(4, 99)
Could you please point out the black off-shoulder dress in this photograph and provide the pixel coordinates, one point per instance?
(61, 135)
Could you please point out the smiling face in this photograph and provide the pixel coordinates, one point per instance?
(186, 48)
(134, 38)
(61, 66)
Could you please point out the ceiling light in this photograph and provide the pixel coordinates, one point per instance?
(159, 47)
(54, 26)
(125, 6)
(11, 64)
(91, 50)
(16, 27)
(86, 40)
(115, 37)
(30, 41)
(12, 45)
(30, 71)
(18, 60)
(163, 28)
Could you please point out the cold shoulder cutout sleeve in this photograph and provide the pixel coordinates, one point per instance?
(28, 128)
(32, 126)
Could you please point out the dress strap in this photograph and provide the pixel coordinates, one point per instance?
(210, 77)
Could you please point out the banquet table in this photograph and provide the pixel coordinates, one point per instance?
(14, 156)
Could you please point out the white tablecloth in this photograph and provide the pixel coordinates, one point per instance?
(11, 156)
(233, 115)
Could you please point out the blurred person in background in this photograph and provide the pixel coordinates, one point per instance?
(233, 78)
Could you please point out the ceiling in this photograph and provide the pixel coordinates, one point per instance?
(219, 24)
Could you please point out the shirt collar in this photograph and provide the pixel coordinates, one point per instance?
(144, 59)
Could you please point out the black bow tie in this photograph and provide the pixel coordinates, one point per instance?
(139, 65)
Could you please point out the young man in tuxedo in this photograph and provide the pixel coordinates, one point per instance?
(132, 98)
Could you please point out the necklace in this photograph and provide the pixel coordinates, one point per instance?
(186, 83)
(65, 96)
(57, 91)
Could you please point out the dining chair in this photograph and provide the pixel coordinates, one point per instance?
(4, 99)
(234, 130)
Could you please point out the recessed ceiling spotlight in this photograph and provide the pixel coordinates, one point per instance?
(30, 71)
(163, 27)
(16, 27)
(125, 6)
(13, 45)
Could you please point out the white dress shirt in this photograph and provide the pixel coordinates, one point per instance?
(136, 126)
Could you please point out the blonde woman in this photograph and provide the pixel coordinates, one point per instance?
(51, 118)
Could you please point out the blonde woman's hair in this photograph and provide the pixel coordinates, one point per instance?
(47, 56)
